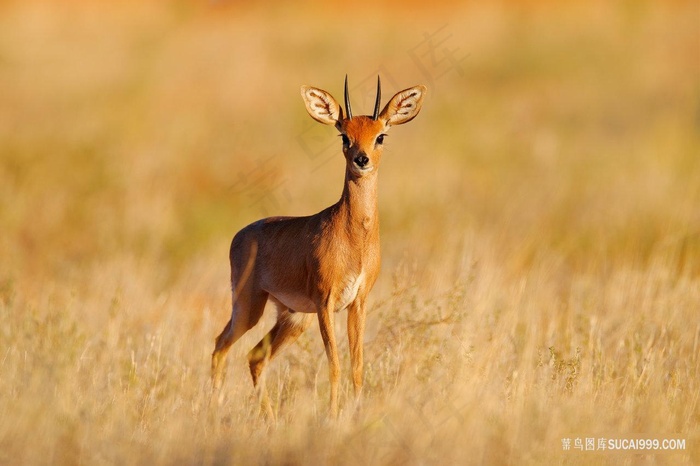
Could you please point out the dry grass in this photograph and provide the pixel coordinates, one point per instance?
(540, 228)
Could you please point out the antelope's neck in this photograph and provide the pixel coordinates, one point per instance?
(358, 204)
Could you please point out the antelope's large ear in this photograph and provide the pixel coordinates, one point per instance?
(321, 105)
(404, 106)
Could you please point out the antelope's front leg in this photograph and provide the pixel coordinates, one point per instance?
(356, 331)
(325, 320)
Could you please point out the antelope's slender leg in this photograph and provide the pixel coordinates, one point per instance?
(356, 331)
(326, 324)
(247, 310)
(288, 328)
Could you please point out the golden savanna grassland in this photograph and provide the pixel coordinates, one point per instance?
(540, 230)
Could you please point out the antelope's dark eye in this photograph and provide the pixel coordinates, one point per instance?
(380, 139)
(346, 140)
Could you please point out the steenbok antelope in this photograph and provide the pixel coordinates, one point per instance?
(320, 264)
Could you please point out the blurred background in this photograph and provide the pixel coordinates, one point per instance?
(559, 145)
(158, 129)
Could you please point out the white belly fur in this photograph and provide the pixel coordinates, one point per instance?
(349, 291)
(299, 302)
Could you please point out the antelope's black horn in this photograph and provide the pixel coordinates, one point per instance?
(379, 99)
(348, 110)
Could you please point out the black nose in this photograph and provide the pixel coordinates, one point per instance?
(361, 160)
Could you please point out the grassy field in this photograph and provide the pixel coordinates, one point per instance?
(540, 230)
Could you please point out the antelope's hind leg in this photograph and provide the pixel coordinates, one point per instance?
(248, 307)
(290, 325)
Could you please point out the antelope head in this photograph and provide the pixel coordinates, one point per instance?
(363, 135)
